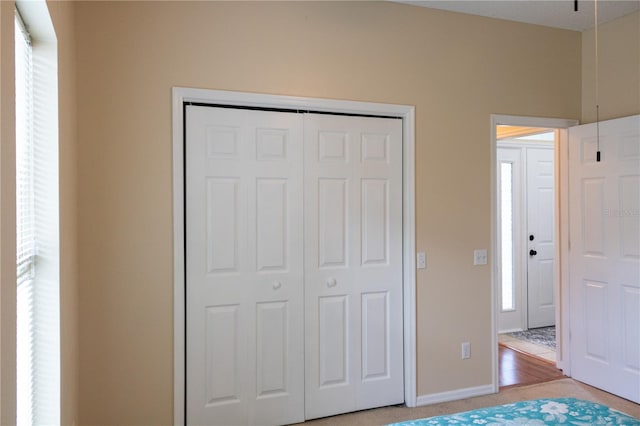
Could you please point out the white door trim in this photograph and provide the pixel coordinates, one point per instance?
(562, 231)
(406, 112)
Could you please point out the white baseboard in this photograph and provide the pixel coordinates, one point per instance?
(435, 398)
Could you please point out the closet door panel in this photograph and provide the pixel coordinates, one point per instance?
(353, 264)
(245, 363)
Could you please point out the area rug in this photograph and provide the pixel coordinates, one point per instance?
(542, 336)
(539, 412)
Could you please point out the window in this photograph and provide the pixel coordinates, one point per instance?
(25, 238)
(37, 224)
(25, 248)
(506, 233)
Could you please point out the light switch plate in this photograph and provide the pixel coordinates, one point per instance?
(466, 350)
(422, 260)
(480, 257)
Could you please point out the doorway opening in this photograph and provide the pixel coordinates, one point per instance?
(510, 306)
(526, 239)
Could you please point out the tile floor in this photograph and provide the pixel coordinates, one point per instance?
(540, 351)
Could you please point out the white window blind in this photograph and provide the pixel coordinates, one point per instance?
(25, 232)
(33, 359)
(25, 249)
(37, 221)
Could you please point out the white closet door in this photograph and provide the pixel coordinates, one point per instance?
(353, 263)
(605, 256)
(244, 219)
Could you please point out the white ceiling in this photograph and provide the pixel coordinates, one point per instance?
(550, 13)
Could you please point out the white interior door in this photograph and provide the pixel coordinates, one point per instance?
(244, 263)
(605, 256)
(541, 308)
(353, 263)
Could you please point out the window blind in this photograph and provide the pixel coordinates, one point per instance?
(25, 249)
(25, 225)
(37, 222)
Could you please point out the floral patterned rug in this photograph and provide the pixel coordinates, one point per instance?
(542, 336)
(538, 412)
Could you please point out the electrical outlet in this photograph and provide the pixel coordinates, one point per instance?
(422, 260)
(480, 257)
(466, 350)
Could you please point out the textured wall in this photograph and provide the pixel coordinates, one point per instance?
(619, 69)
(456, 69)
(7, 217)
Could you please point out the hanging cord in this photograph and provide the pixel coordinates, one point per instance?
(597, 85)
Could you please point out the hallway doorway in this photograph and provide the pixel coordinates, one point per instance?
(526, 194)
(512, 316)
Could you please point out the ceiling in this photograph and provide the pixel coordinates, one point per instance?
(550, 13)
(504, 132)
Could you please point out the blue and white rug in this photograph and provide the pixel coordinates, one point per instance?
(539, 412)
(542, 336)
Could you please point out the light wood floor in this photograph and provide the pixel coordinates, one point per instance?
(518, 369)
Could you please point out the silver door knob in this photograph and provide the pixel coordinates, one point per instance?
(331, 282)
(277, 285)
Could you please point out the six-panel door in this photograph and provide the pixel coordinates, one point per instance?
(605, 255)
(245, 361)
(353, 263)
(267, 295)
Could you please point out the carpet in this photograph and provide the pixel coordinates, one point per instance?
(562, 388)
(539, 412)
(542, 336)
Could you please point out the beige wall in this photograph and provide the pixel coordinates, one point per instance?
(7, 217)
(456, 70)
(62, 16)
(619, 69)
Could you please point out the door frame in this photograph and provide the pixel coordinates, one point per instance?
(182, 95)
(561, 229)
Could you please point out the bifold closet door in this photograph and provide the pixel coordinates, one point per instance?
(353, 263)
(244, 234)
(281, 293)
